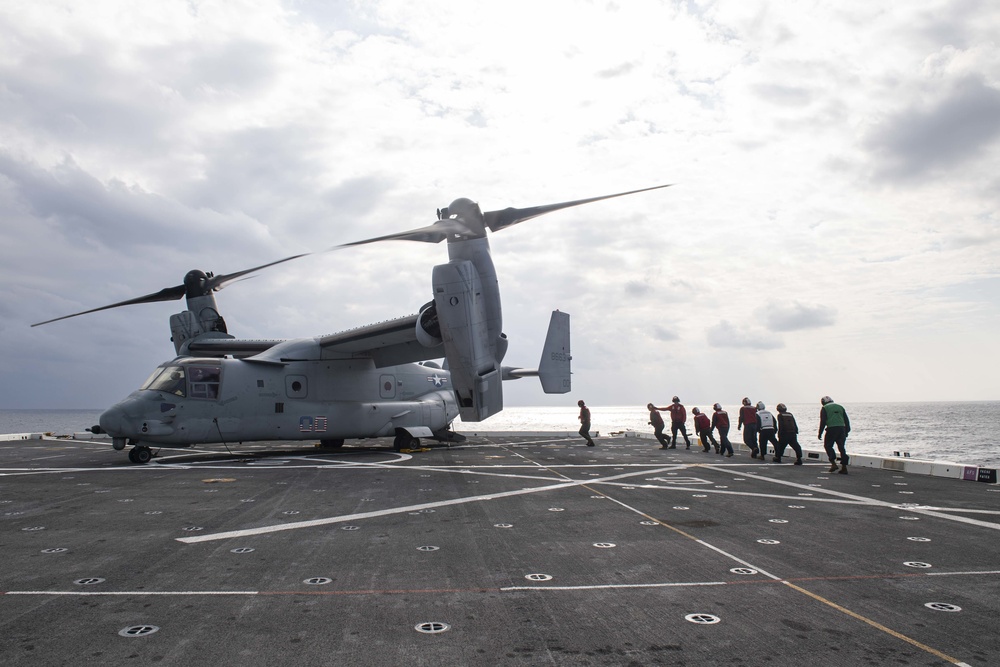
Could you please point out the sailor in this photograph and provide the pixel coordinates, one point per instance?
(748, 418)
(585, 422)
(720, 421)
(834, 419)
(678, 415)
(767, 427)
(703, 429)
(787, 435)
(656, 421)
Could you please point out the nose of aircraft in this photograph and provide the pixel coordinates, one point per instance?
(115, 419)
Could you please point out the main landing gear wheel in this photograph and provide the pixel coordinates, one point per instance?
(140, 454)
(405, 441)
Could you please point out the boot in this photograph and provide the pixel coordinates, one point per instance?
(776, 459)
(798, 461)
(843, 469)
(833, 466)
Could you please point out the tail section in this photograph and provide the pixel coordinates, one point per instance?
(554, 367)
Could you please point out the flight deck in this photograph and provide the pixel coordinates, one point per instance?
(504, 550)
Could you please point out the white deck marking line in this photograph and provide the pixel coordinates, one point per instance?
(101, 593)
(868, 501)
(596, 587)
(395, 510)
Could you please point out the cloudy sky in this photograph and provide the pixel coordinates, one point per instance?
(833, 227)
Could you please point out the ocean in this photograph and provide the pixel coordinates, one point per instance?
(961, 432)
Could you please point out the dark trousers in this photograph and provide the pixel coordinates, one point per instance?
(836, 435)
(750, 436)
(787, 440)
(766, 435)
(658, 432)
(679, 426)
(727, 447)
(706, 436)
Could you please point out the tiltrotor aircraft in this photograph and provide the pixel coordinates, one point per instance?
(375, 381)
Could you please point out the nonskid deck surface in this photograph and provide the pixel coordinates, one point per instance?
(505, 550)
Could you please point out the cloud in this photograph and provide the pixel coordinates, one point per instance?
(924, 139)
(725, 334)
(663, 333)
(795, 316)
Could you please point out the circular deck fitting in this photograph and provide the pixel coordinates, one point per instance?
(538, 577)
(349, 527)
(31, 529)
(503, 525)
(919, 539)
(722, 487)
(427, 511)
(777, 520)
(942, 606)
(917, 564)
(910, 518)
(816, 485)
(248, 500)
(428, 548)
(125, 500)
(138, 630)
(628, 488)
(681, 507)
(432, 627)
(909, 493)
(599, 497)
(290, 512)
(797, 507)
(192, 529)
(805, 494)
(876, 486)
(55, 550)
(605, 545)
(768, 541)
(739, 479)
(649, 523)
(702, 619)
(557, 509)
(700, 495)
(211, 490)
(241, 550)
(743, 570)
(317, 581)
(152, 512)
(89, 581)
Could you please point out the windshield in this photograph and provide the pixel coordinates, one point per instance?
(169, 380)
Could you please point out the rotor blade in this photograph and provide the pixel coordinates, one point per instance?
(497, 220)
(434, 233)
(166, 294)
(220, 281)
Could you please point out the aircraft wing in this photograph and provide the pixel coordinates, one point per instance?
(387, 343)
(220, 347)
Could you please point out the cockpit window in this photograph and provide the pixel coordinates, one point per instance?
(204, 381)
(169, 380)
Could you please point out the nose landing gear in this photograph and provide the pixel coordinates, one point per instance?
(140, 454)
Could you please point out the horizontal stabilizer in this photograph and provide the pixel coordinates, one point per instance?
(554, 367)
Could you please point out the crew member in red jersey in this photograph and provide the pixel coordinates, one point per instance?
(678, 415)
(748, 419)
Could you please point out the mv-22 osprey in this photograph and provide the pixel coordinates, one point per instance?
(375, 381)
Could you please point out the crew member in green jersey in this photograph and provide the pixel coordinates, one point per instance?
(833, 418)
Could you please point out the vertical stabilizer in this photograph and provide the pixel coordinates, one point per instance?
(554, 367)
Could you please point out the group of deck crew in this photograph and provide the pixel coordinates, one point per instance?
(760, 427)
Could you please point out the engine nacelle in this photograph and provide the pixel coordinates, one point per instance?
(428, 327)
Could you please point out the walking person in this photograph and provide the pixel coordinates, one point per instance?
(788, 436)
(703, 429)
(656, 421)
(767, 426)
(834, 419)
(720, 422)
(748, 422)
(585, 422)
(678, 415)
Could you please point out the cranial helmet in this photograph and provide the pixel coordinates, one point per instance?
(760, 405)
(675, 400)
(717, 406)
(746, 401)
(696, 411)
(781, 407)
(825, 400)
